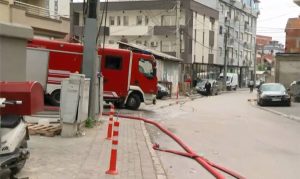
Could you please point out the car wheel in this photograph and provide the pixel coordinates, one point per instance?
(55, 98)
(133, 102)
(235, 88)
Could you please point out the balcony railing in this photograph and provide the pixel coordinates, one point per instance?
(36, 10)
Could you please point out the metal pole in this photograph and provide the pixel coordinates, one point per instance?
(71, 21)
(91, 63)
(255, 64)
(178, 29)
(226, 35)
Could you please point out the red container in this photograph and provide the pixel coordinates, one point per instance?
(30, 93)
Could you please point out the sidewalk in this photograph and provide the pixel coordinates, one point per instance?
(88, 156)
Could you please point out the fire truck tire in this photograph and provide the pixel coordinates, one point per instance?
(133, 102)
(55, 98)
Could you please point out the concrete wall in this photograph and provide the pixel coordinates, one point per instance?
(4, 11)
(287, 68)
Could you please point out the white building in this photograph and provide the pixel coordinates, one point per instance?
(238, 19)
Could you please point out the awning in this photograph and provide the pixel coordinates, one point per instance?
(155, 53)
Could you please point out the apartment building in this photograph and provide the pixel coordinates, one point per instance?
(37, 14)
(238, 19)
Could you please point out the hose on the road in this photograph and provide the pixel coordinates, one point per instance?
(209, 166)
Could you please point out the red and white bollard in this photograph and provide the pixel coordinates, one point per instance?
(114, 150)
(110, 121)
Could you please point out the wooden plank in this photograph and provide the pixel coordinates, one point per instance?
(45, 130)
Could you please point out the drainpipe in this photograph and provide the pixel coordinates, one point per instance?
(11, 3)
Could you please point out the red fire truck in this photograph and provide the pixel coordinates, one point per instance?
(129, 78)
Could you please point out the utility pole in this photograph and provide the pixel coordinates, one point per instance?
(71, 21)
(226, 35)
(91, 61)
(255, 64)
(178, 29)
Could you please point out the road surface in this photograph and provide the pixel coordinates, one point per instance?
(228, 130)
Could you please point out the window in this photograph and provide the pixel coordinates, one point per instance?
(242, 36)
(146, 20)
(220, 51)
(146, 68)
(118, 20)
(125, 20)
(111, 20)
(76, 18)
(236, 34)
(168, 20)
(113, 62)
(212, 23)
(139, 20)
(221, 30)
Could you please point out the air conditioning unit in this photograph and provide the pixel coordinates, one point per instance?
(153, 44)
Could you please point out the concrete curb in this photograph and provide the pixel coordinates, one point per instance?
(160, 172)
(292, 117)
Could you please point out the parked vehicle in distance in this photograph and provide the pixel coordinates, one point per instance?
(273, 93)
(162, 91)
(200, 87)
(294, 90)
(232, 81)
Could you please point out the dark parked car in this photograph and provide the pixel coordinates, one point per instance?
(273, 93)
(200, 87)
(294, 90)
(162, 91)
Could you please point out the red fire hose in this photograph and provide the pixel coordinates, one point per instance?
(209, 166)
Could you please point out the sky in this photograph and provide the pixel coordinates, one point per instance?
(273, 17)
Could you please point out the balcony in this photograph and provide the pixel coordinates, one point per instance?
(36, 10)
(130, 30)
(297, 2)
(39, 18)
(164, 30)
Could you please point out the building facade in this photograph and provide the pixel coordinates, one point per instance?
(37, 15)
(292, 30)
(153, 24)
(237, 32)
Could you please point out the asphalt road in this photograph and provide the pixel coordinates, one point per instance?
(228, 130)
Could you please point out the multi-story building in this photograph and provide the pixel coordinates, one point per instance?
(292, 30)
(153, 24)
(266, 51)
(238, 19)
(45, 22)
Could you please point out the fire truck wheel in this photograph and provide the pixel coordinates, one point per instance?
(133, 102)
(55, 98)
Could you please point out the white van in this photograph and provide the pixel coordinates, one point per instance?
(232, 81)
